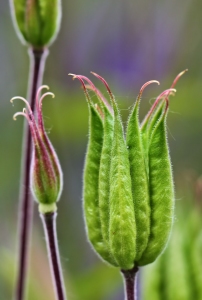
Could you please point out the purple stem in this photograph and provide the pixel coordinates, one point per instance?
(37, 63)
(130, 277)
(49, 224)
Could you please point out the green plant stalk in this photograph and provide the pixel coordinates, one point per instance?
(37, 64)
(130, 279)
(49, 225)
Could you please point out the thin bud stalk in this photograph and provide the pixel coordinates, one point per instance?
(37, 63)
(49, 224)
(130, 280)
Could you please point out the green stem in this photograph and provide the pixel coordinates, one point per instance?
(49, 224)
(130, 279)
(37, 63)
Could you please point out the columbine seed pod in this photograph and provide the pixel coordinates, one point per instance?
(91, 177)
(37, 22)
(122, 227)
(140, 189)
(161, 192)
(105, 164)
(46, 174)
(131, 197)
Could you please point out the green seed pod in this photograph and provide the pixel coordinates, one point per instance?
(105, 160)
(131, 207)
(122, 227)
(104, 176)
(91, 179)
(139, 177)
(105, 164)
(161, 192)
(46, 175)
(37, 22)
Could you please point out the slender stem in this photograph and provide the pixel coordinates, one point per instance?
(49, 224)
(37, 63)
(130, 279)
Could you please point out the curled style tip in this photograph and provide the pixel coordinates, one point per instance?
(101, 97)
(23, 113)
(178, 77)
(44, 95)
(144, 86)
(80, 78)
(40, 89)
(89, 82)
(24, 100)
(164, 95)
(105, 83)
(73, 75)
(39, 92)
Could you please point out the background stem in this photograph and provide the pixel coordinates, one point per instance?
(130, 278)
(37, 63)
(49, 224)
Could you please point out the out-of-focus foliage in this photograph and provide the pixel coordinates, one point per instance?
(127, 42)
(177, 273)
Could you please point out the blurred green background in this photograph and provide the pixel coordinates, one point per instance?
(128, 43)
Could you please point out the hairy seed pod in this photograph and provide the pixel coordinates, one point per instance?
(161, 192)
(105, 160)
(129, 203)
(104, 175)
(91, 179)
(122, 227)
(138, 178)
